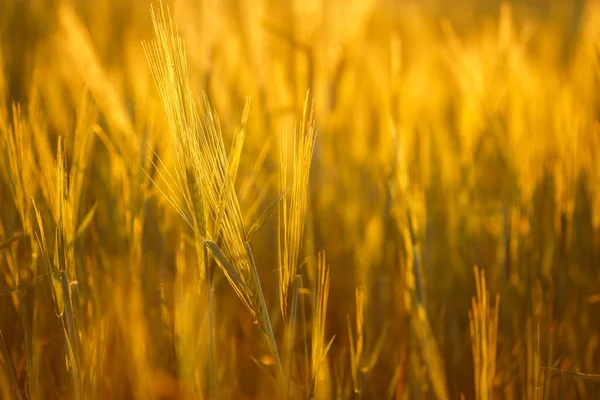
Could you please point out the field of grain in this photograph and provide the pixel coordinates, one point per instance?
(320, 199)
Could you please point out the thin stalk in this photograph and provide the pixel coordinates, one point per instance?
(263, 305)
(24, 314)
(27, 324)
(71, 336)
(291, 337)
(212, 340)
(577, 375)
(304, 330)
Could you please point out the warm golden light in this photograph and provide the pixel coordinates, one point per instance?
(205, 199)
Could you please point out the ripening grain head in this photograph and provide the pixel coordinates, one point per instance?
(292, 211)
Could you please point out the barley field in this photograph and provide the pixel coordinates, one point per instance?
(313, 199)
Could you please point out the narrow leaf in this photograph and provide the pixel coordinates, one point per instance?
(264, 217)
(315, 375)
(549, 373)
(23, 285)
(265, 370)
(580, 375)
(557, 362)
(326, 350)
(225, 263)
(87, 220)
(377, 351)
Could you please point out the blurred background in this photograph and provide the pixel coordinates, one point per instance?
(450, 135)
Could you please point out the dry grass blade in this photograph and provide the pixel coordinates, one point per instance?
(24, 285)
(228, 268)
(265, 216)
(579, 375)
(85, 223)
(369, 364)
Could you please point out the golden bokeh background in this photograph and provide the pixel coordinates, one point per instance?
(449, 136)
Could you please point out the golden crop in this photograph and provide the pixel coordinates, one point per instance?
(324, 199)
